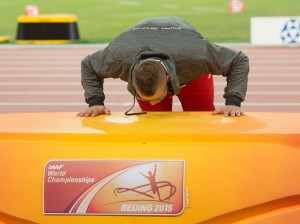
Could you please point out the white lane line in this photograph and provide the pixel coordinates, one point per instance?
(271, 104)
(59, 104)
(267, 93)
(43, 93)
(271, 56)
(257, 75)
(254, 61)
(41, 104)
(22, 75)
(39, 83)
(33, 63)
(265, 83)
(42, 68)
(29, 57)
(50, 46)
(273, 83)
(55, 83)
(40, 75)
(122, 93)
(125, 83)
(129, 103)
(275, 67)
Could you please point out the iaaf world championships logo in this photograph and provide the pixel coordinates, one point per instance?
(118, 187)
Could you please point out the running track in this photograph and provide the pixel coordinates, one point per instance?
(47, 78)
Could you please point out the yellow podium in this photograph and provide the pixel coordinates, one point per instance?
(161, 167)
(47, 29)
(4, 39)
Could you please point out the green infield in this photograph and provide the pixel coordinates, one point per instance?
(99, 21)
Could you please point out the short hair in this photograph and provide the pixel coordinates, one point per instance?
(146, 77)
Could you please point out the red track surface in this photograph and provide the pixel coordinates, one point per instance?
(47, 78)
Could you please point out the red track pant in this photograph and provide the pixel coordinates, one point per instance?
(197, 95)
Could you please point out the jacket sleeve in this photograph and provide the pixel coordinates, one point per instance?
(234, 65)
(91, 79)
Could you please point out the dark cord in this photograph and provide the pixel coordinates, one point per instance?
(134, 113)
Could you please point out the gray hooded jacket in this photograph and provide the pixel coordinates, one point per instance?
(182, 49)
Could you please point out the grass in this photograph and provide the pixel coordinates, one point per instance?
(100, 21)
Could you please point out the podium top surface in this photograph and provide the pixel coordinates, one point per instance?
(4, 39)
(48, 18)
(152, 123)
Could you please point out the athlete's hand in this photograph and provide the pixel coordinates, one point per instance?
(229, 110)
(94, 111)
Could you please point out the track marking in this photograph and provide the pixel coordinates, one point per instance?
(125, 84)
(126, 92)
(128, 103)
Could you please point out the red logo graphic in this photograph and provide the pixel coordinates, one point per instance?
(154, 188)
